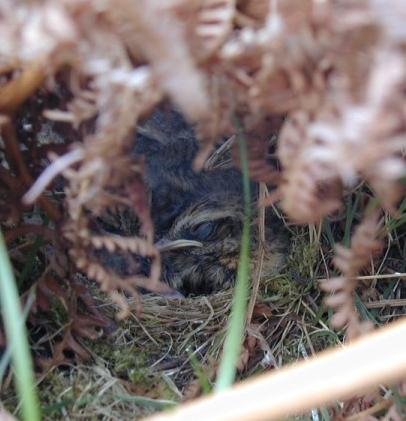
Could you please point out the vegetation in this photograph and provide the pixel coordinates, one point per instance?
(319, 91)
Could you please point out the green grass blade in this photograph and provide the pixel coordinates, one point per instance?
(14, 324)
(400, 402)
(6, 357)
(55, 409)
(66, 404)
(199, 373)
(236, 324)
(159, 404)
(363, 310)
(328, 232)
(398, 220)
(350, 215)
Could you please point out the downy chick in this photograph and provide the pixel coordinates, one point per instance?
(198, 217)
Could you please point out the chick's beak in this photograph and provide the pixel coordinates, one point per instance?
(164, 245)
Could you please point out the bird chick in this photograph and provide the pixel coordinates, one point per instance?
(198, 216)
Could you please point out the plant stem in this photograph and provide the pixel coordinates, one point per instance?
(236, 325)
(14, 324)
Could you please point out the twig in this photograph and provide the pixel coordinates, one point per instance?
(386, 276)
(401, 302)
(261, 255)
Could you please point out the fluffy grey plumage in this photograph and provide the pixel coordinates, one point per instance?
(204, 207)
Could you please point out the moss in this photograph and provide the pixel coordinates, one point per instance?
(299, 273)
(132, 363)
(103, 348)
(126, 360)
(60, 314)
(54, 385)
(302, 261)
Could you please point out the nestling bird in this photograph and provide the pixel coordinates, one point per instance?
(198, 217)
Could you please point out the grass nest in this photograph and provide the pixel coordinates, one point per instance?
(169, 352)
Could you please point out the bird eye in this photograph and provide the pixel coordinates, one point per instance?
(204, 230)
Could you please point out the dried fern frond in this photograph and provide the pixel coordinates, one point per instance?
(214, 23)
(365, 244)
(166, 49)
(105, 87)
